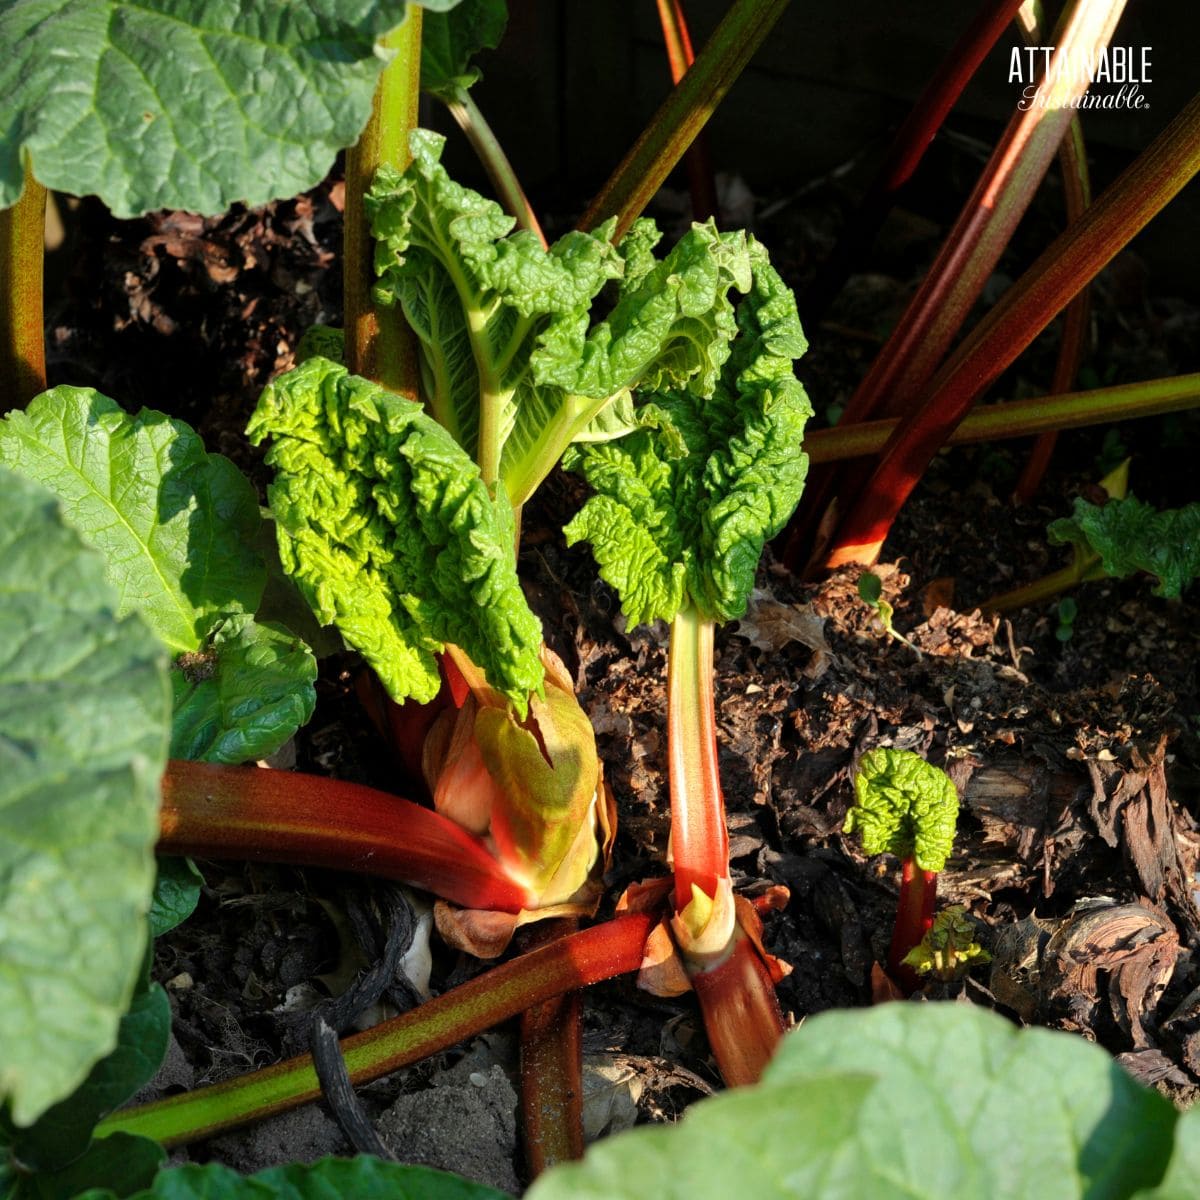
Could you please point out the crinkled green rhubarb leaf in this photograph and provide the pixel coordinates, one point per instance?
(190, 104)
(176, 525)
(84, 718)
(390, 533)
(363, 1177)
(244, 695)
(1131, 536)
(684, 505)
(450, 40)
(904, 806)
(508, 345)
(480, 299)
(900, 1102)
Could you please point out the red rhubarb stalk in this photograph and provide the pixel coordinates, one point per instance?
(1067, 265)
(914, 916)
(213, 811)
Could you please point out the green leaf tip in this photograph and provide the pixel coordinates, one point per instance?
(1131, 536)
(684, 505)
(450, 39)
(904, 806)
(390, 533)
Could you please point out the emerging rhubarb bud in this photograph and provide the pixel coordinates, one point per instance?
(534, 790)
(906, 807)
(949, 949)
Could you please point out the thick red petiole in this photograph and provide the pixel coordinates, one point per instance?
(284, 816)
(699, 839)
(723, 957)
(914, 916)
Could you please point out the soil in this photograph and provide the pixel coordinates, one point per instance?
(1077, 761)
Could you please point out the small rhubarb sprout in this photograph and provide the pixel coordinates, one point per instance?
(949, 949)
(906, 807)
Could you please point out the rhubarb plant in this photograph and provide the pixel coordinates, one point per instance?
(682, 508)
(906, 807)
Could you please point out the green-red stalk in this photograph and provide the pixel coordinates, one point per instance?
(736, 992)
(1067, 265)
(908, 147)
(382, 351)
(1077, 193)
(1021, 418)
(683, 114)
(22, 255)
(699, 838)
(213, 811)
(914, 916)
(579, 960)
(552, 1069)
(680, 56)
(900, 373)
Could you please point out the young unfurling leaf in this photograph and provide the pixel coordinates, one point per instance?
(684, 505)
(387, 528)
(512, 362)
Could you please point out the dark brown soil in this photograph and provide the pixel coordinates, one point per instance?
(1077, 761)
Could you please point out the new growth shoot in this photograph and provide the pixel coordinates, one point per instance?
(906, 807)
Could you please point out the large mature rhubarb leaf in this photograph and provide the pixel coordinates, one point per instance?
(390, 533)
(84, 720)
(684, 505)
(507, 341)
(1131, 536)
(179, 530)
(450, 40)
(1183, 1171)
(901, 1102)
(190, 104)
(368, 1178)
